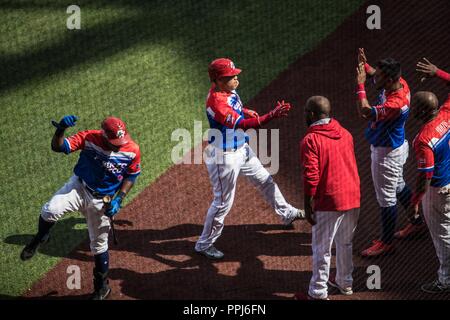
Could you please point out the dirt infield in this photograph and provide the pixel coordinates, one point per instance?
(157, 231)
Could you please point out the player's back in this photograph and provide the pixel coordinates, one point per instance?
(436, 134)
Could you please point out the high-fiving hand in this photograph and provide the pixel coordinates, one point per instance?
(281, 109)
(361, 56)
(427, 68)
(361, 75)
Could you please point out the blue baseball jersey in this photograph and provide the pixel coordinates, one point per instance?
(390, 114)
(101, 169)
(224, 111)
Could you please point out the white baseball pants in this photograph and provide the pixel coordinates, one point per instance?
(436, 211)
(73, 196)
(337, 226)
(224, 169)
(387, 172)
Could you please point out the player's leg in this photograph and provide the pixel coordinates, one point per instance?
(98, 227)
(344, 250)
(323, 233)
(403, 191)
(415, 225)
(66, 199)
(223, 174)
(390, 175)
(260, 177)
(436, 211)
(385, 174)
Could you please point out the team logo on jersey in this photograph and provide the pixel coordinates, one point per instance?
(115, 168)
(235, 102)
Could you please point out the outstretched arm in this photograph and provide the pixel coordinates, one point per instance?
(249, 113)
(430, 70)
(281, 110)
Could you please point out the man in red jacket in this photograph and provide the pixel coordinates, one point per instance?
(332, 196)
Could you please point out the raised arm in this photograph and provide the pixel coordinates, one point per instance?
(362, 59)
(362, 104)
(58, 138)
(430, 70)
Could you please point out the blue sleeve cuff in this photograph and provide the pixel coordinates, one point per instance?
(132, 177)
(65, 147)
(374, 114)
(430, 169)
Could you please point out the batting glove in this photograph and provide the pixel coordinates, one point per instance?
(114, 207)
(66, 121)
(281, 110)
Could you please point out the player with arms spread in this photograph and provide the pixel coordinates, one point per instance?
(231, 156)
(108, 165)
(432, 148)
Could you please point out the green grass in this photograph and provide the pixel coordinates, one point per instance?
(144, 61)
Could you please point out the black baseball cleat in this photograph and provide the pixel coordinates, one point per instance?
(101, 286)
(211, 253)
(435, 287)
(102, 293)
(30, 249)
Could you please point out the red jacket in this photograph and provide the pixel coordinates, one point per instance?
(330, 173)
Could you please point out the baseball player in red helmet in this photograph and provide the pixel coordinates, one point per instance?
(389, 148)
(432, 148)
(230, 155)
(108, 165)
(332, 197)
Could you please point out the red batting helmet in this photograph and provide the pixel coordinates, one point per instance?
(222, 67)
(115, 131)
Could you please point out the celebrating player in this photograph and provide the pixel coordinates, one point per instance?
(428, 70)
(389, 147)
(432, 148)
(230, 154)
(109, 164)
(332, 197)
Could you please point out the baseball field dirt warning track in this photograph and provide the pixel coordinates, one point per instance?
(155, 257)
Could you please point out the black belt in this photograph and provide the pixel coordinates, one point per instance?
(94, 193)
